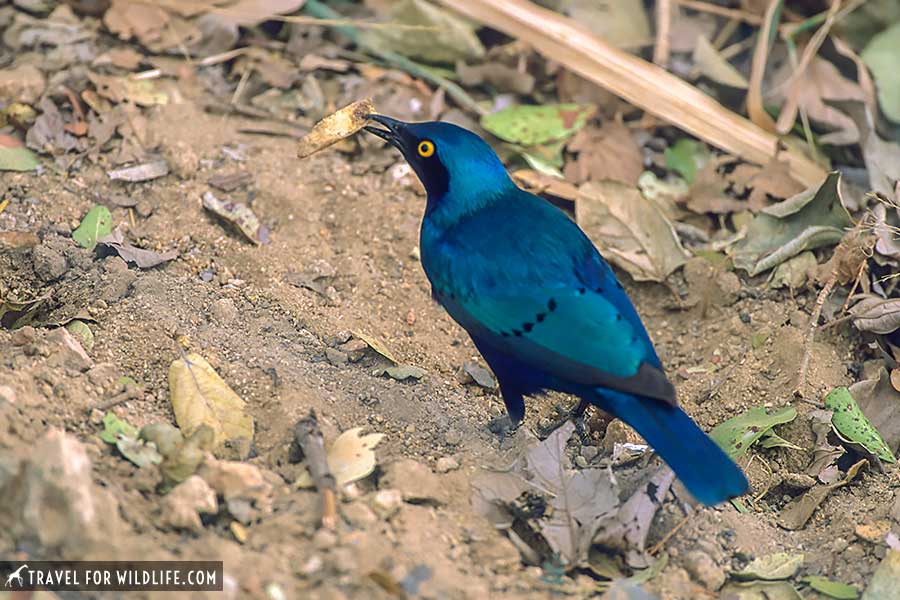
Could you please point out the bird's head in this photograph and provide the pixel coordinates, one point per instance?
(460, 172)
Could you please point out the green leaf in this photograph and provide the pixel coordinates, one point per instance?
(880, 55)
(738, 433)
(533, 125)
(138, 451)
(96, 224)
(832, 589)
(780, 565)
(17, 159)
(852, 425)
(686, 157)
(773, 440)
(113, 427)
(811, 219)
(84, 334)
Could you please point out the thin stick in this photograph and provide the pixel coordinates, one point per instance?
(662, 49)
(721, 11)
(811, 331)
(309, 438)
(300, 20)
(659, 545)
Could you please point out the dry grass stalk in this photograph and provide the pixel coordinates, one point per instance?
(641, 83)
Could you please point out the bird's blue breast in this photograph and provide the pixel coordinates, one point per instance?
(521, 276)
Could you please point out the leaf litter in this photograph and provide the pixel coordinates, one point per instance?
(351, 457)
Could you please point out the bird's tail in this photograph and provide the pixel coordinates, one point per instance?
(706, 471)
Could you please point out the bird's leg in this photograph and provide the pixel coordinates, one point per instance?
(515, 408)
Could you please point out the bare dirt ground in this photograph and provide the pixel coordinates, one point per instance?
(278, 346)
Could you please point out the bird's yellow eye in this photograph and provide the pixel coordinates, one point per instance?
(426, 148)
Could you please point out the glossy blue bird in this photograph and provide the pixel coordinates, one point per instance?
(541, 305)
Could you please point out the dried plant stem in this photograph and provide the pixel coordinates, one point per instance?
(662, 49)
(309, 437)
(639, 82)
(810, 332)
(659, 545)
(721, 11)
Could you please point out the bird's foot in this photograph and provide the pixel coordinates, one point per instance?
(503, 426)
(577, 415)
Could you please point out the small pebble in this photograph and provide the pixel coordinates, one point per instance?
(581, 461)
(238, 531)
(452, 437)
(590, 452)
(446, 464)
(336, 357)
(324, 539)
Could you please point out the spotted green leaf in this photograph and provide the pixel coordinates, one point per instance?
(96, 224)
(113, 427)
(532, 125)
(852, 425)
(738, 433)
(832, 589)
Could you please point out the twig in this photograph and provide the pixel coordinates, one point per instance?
(721, 11)
(309, 438)
(662, 49)
(131, 392)
(320, 11)
(811, 330)
(299, 20)
(764, 40)
(659, 545)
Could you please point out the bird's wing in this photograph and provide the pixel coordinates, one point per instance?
(574, 334)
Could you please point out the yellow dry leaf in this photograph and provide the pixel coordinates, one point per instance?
(200, 396)
(335, 127)
(350, 458)
(377, 345)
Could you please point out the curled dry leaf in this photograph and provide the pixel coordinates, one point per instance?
(350, 458)
(876, 314)
(239, 215)
(798, 511)
(335, 127)
(377, 345)
(144, 259)
(629, 230)
(809, 220)
(201, 397)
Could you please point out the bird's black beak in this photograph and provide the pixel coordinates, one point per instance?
(392, 132)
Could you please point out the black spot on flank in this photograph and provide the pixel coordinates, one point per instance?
(540, 317)
(582, 291)
(618, 316)
(528, 327)
(504, 333)
(599, 289)
(517, 333)
(633, 339)
(551, 305)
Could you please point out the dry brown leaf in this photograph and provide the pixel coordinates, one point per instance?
(643, 84)
(200, 396)
(609, 152)
(248, 13)
(771, 182)
(707, 194)
(821, 81)
(335, 127)
(541, 183)
(629, 230)
(350, 458)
